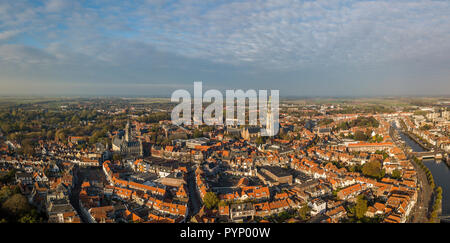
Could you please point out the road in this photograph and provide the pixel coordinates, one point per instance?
(419, 214)
(75, 194)
(194, 197)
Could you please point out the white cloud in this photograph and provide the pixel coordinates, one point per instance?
(269, 36)
(57, 5)
(20, 54)
(5, 35)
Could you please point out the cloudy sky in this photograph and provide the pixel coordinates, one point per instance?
(152, 47)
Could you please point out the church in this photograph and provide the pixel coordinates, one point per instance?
(126, 145)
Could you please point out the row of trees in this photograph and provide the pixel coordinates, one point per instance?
(427, 172)
(359, 122)
(363, 109)
(436, 205)
(437, 191)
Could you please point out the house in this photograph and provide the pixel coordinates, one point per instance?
(335, 215)
(241, 211)
(317, 206)
(350, 191)
(24, 178)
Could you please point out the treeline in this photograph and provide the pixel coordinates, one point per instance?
(375, 109)
(437, 191)
(427, 172)
(155, 117)
(24, 124)
(359, 122)
(436, 205)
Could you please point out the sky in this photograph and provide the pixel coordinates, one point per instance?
(153, 47)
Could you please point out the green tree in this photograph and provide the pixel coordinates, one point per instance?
(5, 193)
(304, 211)
(373, 169)
(28, 219)
(396, 174)
(222, 203)
(16, 205)
(211, 201)
(28, 146)
(197, 133)
(360, 207)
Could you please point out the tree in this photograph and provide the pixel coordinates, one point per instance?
(377, 138)
(5, 193)
(27, 219)
(373, 169)
(197, 133)
(360, 136)
(360, 207)
(396, 174)
(28, 146)
(16, 205)
(343, 126)
(211, 201)
(222, 203)
(304, 211)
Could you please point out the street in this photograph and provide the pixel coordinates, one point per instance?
(194, 197)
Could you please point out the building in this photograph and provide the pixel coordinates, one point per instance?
(274, 175)
(250, 133)
(270, 121)
(239, 212)
(369, 147)
(126, 145)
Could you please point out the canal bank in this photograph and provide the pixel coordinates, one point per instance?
(439, 170)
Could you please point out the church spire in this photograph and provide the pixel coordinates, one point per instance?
(269, 118)
(127, 131)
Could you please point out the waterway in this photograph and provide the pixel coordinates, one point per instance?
(439, 169)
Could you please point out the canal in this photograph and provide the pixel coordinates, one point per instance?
(439, 169)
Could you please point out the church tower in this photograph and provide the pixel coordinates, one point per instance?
(269, 118)
(127, 132)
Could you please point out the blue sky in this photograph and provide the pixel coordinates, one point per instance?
(152, 47)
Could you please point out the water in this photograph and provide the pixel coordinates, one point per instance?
(441, 175)
(440, 171)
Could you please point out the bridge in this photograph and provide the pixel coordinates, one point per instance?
(428, 155)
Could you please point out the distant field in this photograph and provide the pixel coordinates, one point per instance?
(389, 101)
(4, 100)
(141, 101)
(386, 101)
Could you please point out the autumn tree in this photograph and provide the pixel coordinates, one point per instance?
(211, 201)
(304, 211)
(360, 207)
(17, 204)
(396, 174)
(373, 169)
